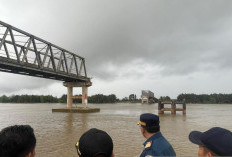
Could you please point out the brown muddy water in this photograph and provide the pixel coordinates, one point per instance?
(57, 133)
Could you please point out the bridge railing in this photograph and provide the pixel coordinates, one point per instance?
(25, 50)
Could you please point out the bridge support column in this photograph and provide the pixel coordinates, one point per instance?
(173, 111)
(160, 108)
(184, 107)
(70, 96)
(84, 96)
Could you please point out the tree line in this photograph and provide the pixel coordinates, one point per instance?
(206, 98)
(98, 98)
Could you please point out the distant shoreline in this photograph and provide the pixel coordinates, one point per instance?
(105, 103)
(102, 99)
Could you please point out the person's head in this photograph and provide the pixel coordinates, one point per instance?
(214, 142)
(17, 141)
(95, 143)
(149, 124)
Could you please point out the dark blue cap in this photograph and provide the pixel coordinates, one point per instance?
(95, 142)
(148, 120)
(217, 140)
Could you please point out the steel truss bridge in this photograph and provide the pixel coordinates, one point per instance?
(26, 54)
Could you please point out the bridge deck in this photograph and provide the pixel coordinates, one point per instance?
(25, 54)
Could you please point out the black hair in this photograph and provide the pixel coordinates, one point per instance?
(152, 129)
(17, 141)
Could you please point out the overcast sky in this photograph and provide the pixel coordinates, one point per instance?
(166, 46)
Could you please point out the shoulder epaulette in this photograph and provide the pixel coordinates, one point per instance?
(148, 144)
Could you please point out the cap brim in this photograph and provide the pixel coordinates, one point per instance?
(141, 123)
(194, 137)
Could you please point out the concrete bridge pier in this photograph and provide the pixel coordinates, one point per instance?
(70, 97)
(184, 107)
(160, 108)
(173, 108)
(84, 96)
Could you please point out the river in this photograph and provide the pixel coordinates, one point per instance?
(57, 133)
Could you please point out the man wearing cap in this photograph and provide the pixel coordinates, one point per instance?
(156, 144)
(95, 143)
(214, 142)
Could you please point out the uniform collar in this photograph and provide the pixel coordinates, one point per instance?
(153, 137)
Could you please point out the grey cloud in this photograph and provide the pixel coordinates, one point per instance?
(176, 35)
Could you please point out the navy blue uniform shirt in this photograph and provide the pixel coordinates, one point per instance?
(157, 145)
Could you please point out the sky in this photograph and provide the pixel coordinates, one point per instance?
(166, 46)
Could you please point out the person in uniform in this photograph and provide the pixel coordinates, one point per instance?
(213, 142)
(156, 144)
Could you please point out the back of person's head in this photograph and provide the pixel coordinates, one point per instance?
(150, 122)
(216, 141)
(95, 143)
(17, 141)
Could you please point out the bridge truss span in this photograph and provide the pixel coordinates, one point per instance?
(26, 54)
